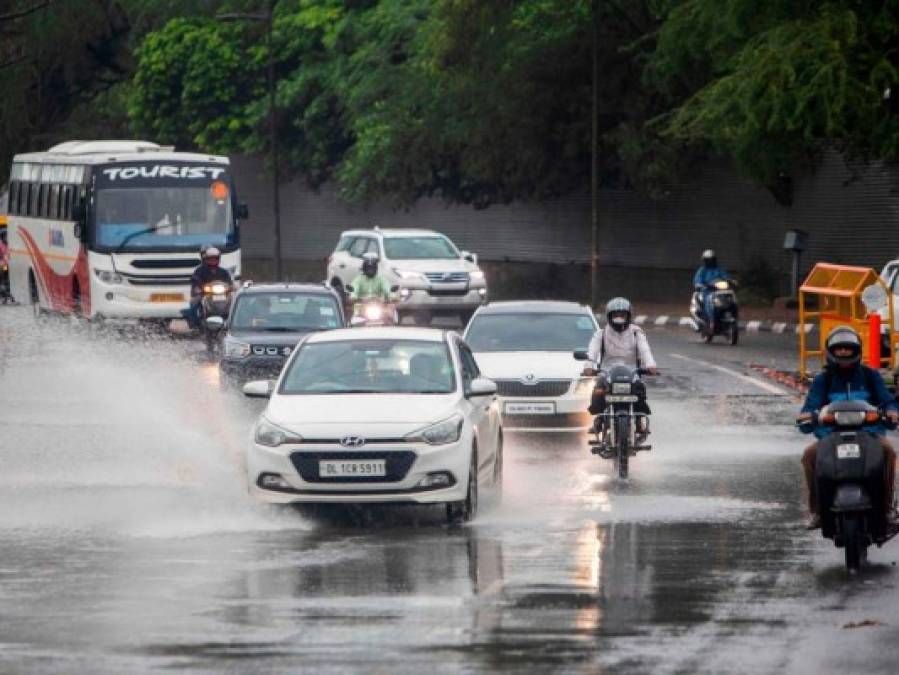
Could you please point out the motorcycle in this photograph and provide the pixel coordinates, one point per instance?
(614, 432)
(5, 295)
(849, 479)
(215, 305)
(373, 312)
(725, 312)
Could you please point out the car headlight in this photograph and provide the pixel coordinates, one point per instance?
(108, 277)
(235, 349)
(271, 435)
(441, 433)
(408, 275)
(477, 275)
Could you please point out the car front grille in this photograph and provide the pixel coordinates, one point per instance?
(447, 277)
(398, 464)
(146, 280)
(542, 388)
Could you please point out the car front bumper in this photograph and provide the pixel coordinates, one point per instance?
(549, 414)
(434, 300)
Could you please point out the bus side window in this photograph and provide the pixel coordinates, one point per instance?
(13, 202)
(53, 211)
(32, 199)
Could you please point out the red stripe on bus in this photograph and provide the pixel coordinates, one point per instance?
(58, 287)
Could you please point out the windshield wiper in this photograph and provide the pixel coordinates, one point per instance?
(148, 230)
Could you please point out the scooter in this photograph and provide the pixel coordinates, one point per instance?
(614, 432)
(849, 479)
(725, 312)
(215, 305)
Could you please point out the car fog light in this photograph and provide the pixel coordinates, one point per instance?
(437, 479)
(482, 292)
(272, 481)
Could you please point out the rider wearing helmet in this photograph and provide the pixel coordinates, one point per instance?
(207, 272)
(708, 273)
(845, 378)
(370, 284)
(621, 342)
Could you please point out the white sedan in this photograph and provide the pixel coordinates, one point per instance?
(527, 349)
(384, 414)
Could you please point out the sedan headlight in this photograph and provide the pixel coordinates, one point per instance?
(477, 275)
(108, 277)
(408, 275)
(235, 349)
(441, 433)
(272, 435)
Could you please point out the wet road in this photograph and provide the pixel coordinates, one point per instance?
(129, 544)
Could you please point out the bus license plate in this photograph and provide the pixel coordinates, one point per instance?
(621, 399)
(371, 467)
(167, 297)
(849, 451)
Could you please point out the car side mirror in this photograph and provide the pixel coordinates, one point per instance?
(581, 355)
(242, 212)
(481, 386)
(259, 389)
(215, 323)
(470, 257)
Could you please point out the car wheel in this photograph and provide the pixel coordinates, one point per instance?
(465, 511)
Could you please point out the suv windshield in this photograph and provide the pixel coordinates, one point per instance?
(371, 367)
(285, 311)
(530, 332)
(419, 248)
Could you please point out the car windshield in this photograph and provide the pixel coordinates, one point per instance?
(419, 248)
(530, 332)
(285, 311)
(370, 367)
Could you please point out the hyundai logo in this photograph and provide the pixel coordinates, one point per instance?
(352, 442)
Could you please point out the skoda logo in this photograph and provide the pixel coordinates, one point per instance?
(352, 442)
(530, 378)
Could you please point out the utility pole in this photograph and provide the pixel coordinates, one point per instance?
(269, 19)
(594, 167)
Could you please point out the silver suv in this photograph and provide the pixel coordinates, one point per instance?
(434, 277)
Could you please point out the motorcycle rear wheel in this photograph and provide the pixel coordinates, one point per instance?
(734, 334)
(853, 535)
(622, 437)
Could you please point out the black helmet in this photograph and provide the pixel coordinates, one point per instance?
(709, 259)
(617, 306)
(370, 264)
(843, 336)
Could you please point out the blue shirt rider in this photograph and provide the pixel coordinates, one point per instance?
(705, 275)
(845, 378)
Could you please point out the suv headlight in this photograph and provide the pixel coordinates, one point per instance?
(272, 435)
(235, 349)
(408, 275)
(108, 277)
(441, 433)
(477, 275)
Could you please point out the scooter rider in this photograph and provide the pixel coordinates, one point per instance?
(845, 378)
(708, 272)
(370, 284)
(207, 272)
(621, 342)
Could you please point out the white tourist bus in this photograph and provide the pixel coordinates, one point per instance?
(113, 229)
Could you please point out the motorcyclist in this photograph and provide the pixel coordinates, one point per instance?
(207, 272)
(707, 273)
(4, 248)
(621, 342)
(370, 284)
(845, 378)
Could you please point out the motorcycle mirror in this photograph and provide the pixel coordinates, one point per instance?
(259, 389)
(215, 322)
(581, 355)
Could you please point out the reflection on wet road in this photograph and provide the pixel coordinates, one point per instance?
(130, 544)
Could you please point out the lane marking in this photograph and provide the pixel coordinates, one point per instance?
(640, 320)
(753, 326)
(770, 388)
(685, 321)
(779, 327)
(662, 320)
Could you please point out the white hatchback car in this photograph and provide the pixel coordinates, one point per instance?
(528, 348)
(384, 414)
(433, 276)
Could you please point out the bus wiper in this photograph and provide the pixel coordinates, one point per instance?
(148, 230)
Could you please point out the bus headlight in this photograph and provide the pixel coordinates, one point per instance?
(108, 277)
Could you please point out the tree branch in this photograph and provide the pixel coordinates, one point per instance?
(12, 16)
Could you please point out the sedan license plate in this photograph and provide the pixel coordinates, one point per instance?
(167, 297)
(621, 399)
(848, 451)
(530, 408)
(376, 468)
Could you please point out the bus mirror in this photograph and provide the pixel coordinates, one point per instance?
(243, 211)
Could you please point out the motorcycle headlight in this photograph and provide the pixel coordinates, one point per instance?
(373, 312)
(218, 288)
(621, 388)
(722, 285)
(271, 435)
(108, 277)
(235, 349)
(441, 433)
(408, 275)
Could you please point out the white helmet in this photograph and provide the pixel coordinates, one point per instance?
(618, 306)
(211, 252)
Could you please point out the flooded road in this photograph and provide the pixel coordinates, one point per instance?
(130, 544)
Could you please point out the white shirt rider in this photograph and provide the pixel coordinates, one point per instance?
(626, 346)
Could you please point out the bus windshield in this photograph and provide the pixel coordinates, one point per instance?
(137, 209)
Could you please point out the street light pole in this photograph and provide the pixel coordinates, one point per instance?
(594, 167)
(269, 19)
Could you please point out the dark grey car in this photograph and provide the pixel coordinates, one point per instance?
(266, 323)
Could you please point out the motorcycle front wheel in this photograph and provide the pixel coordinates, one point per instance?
(734, 334)
(622, 437)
